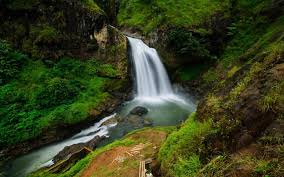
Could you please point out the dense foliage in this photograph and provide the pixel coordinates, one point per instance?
(149, 15)
(184, 43)
(10, 62)
(44, 95)
(245, 90)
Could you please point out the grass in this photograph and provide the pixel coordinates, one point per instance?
(179, 154)
(149, 15)
(250, 165)
(273, 97)
(210, 76)
(38, 96)
(214, 102)
(133, 138)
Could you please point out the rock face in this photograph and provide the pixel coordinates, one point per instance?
(139, 110)
(51, 29)
(113, 49)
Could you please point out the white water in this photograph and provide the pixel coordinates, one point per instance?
(151, 77)
(154, 91)
(43, 156)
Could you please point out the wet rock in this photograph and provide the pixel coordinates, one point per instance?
(66, 164)
(113, 120)
(148, 122)
(134, 120)
(94, 142)
(139, 110)
(68, 151)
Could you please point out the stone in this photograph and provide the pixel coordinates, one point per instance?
(68, 151)
(135, 120)
(139, 110)
(113, 120)
(148, 122)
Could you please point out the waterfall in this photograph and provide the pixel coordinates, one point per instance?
(151, 79)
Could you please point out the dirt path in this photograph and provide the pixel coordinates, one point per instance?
(124, 161)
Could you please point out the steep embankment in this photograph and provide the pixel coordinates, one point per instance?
(119, 158)
(189, 35)
(238, 127)
(236, 50)
(61, 65)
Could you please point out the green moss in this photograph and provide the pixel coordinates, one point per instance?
(150, 15)
(210, 76)
(214, 102)
(179, 154)
(243, 84)
(92, 6)
(232, 71)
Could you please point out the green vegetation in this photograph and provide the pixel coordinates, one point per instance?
(38, 96)
(92, 6)
(150, 15)
(210, 76)
(25, 5)
(133, 138)
(80, 165)
(11, 62)
(249, 163)
(254, 38)
(185, 43)
(191, 73)
(275, 96)
(179, 154)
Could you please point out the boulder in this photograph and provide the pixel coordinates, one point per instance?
(147, 122)
(134, 120)
(71, 160)
(68, 151)
(139, 110)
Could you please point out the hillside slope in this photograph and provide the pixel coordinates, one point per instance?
(61, 64)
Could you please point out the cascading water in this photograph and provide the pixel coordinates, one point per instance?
(154, 92)
(151, 77)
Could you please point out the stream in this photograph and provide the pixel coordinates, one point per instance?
(166, 106)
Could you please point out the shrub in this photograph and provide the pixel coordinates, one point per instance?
(45, 34)
(10, 62)
(185, 43)
(57, 91)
